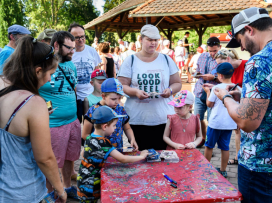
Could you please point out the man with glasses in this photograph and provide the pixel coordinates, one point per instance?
(252, 31)
(65, 128)
(205, 64)
(14, 33)
(86, 60)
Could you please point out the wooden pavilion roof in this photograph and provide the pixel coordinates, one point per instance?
(131, 15)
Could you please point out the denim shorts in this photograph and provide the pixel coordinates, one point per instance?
(221, 137)
(256, 187)
(200, 108)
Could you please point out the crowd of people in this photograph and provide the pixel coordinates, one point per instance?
(59, 95)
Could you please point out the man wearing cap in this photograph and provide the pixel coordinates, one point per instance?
(46, 36)
(186, 42)
(205, 64)
(65, 128)
(252, 31)
(143, 74)
(14, 33)
(86, 60)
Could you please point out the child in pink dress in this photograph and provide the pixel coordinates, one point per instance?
(183, 127)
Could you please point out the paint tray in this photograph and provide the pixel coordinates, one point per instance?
(153, 156)
(169, 156)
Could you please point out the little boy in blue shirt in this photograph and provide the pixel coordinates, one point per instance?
(97, 149)
(112, 93)
(220, 123)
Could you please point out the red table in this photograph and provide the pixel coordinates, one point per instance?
(198, 181)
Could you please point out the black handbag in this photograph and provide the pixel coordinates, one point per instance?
(203, 97)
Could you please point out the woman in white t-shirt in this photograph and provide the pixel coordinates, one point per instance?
(143, 74)
(180, 55)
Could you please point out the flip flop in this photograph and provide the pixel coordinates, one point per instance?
(235, 162)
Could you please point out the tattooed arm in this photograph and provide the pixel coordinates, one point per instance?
(249, 113)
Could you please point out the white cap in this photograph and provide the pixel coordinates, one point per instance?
(204, 47)
(150, 31)
(166, 42)
(180, 42)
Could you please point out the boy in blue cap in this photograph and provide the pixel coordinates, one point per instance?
(112, 93)
(220, 123)
(14, 33)
(99, 148)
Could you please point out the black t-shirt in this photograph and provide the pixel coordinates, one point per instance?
(185, 41)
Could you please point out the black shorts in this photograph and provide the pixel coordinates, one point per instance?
(149, 137)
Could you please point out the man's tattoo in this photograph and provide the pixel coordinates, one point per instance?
(251, 109)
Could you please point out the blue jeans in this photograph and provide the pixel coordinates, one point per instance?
(200, 108)
(256, 187)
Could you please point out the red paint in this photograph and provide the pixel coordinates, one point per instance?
(198, 181)
(223, 37)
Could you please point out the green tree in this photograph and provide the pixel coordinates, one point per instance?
(110, 4)
(11, 12)
(59, 14)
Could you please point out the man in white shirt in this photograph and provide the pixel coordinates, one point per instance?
(86, 60)
(193, 62)
(121, 44)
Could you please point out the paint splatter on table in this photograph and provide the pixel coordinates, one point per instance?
(198, 181)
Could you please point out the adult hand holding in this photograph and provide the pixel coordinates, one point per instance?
(207, 77)
(166, 93)
(62, 196)
(236, 93)
(141, 94)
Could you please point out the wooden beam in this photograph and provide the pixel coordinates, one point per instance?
(121, 17)
(124, 17)
(196, 29)
(162, 31)
(143, 21)
(157, 20)
(172, 18)
(205, 17)
(103, 29)
(191, 18)
(180, 19)
(114, 18)
(119, 33)
(125, 33)
(148, 20)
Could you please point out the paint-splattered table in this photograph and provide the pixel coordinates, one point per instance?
(198, 181)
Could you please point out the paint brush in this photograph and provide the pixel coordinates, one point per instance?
(168, 178)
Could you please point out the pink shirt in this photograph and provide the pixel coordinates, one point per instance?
(176, 130)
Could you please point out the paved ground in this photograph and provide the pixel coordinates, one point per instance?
(216, 159)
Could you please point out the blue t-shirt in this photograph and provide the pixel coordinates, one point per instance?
(116, 137)
(4, 54)
(256, 147)
(60, 92)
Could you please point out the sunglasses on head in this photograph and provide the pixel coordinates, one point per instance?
(48, 56)
(213, 43)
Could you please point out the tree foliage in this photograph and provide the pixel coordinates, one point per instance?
(59, 14)
(110, 4)
(11, 12)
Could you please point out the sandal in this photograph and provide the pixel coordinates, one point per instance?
(223, 173)
(233, 162)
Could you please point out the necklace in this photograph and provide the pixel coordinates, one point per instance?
(182, 124)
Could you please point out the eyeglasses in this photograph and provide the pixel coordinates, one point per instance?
(80, 37)
(48, 56)
(70, 48)
(213, 43)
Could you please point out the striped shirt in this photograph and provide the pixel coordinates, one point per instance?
(201, 63)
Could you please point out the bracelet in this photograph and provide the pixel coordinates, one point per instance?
(170, 90)
(227, 95)
(194, 143)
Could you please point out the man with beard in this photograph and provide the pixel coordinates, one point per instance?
(64, 126)
(252, 30)
(14, 33)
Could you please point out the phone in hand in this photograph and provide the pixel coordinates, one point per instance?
(197, 75)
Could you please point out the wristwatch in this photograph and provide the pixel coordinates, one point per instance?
(227, 95)
(215, 77)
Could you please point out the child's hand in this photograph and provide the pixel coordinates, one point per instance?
(144, 153)
(205, 88)
(190, 145)
(133, 143)
(179, 146)
(82, 152)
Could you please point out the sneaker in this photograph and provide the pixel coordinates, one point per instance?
(223, 173)
(71, 192)
(49, 198)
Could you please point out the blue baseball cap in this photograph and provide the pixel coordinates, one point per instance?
(18, 29)
(224, 68)
(113, 85)
(104, 114)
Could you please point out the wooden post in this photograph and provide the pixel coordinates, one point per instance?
(200, 35)
(148, 20)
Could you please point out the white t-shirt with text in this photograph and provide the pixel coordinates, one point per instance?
(85, 62)
(220, 118)
(150, 77)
